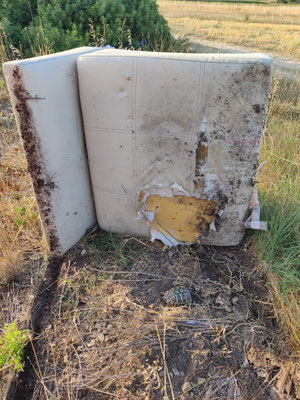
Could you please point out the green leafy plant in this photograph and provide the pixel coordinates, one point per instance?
(12, 343)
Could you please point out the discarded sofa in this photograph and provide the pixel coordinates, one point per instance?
(44, 95)
(173, 142)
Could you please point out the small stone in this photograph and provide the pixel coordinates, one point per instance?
(220, 300)
(246, 363)
(228, 308)
(208, 290)
(262, 374)
(234, 300)
(101, 338)
(186, 386)
(83, 253)
(175, 372)
(171, 252)
(91, 343)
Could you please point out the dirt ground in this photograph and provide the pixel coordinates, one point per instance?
(110, 334)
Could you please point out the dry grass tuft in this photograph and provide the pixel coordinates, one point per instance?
(96, 346)
(288, 309)
(20, 230)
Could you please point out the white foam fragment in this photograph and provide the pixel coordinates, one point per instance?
(166, 239)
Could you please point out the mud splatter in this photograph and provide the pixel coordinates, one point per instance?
(34, 162)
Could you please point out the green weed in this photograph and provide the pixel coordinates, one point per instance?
(12, 344)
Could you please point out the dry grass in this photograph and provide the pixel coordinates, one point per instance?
(101, 343)
(273, 14)
(270, 28)
(21, 239)
(112, 336)
(281, 142)
(20, 230)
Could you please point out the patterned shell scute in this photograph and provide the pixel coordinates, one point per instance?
(178, 296)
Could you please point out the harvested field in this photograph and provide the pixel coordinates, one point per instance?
(274, 29)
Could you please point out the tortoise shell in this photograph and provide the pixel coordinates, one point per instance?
(178, 296)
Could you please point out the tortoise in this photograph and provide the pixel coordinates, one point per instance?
(177, 296)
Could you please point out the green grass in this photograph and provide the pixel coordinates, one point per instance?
(278, 249)
(279, 246)
(120, 250)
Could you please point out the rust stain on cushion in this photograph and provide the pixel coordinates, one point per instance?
(201, 153)
(184, 218)
(202, 149)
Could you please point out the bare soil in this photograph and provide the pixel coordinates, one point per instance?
(22, 385)
(110, 335)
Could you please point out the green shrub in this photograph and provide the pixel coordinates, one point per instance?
(12, 344)
(36, 26)
(289, 1)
